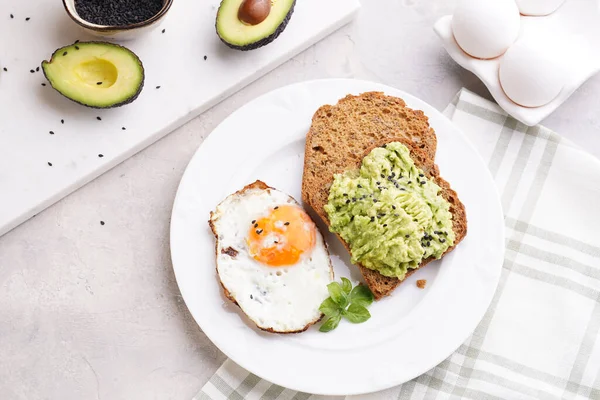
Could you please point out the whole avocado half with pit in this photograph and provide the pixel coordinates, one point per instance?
(244, 36)
(96, 74)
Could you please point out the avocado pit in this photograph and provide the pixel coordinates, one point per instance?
(253, 12)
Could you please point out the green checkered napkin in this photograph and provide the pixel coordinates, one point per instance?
(540, 338)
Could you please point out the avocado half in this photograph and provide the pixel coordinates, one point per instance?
(241, 36)
(96, 74)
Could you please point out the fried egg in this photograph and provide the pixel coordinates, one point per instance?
(271, 259)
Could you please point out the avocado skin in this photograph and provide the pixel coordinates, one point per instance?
(265, 41)
(122, 103)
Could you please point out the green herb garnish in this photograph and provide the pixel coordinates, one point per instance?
(343, 301)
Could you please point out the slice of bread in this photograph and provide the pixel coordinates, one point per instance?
(342, 135)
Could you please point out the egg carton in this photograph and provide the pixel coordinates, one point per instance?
(572, 31)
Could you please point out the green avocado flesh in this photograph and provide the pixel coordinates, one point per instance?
(391, 214)
(239, 35)
(96, 74)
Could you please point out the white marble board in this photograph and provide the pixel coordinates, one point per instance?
(174, 60)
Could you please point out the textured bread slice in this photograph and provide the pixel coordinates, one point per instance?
(341, 136)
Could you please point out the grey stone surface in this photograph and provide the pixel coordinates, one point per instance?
(91, 311)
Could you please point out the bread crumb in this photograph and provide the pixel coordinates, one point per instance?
(421, 283)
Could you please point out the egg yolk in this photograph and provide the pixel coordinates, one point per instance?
(282, 236)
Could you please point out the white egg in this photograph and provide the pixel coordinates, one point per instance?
(538, 7)
(531, 74)
(257, 226)
(486, 28)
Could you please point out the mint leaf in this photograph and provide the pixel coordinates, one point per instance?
(361, 295)
(337, 294)
(356, 313)
(331, 323)
(346, 285)
(329, 307)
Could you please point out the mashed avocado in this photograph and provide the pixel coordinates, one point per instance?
(390, 213)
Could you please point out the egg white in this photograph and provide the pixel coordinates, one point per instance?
(278, 299)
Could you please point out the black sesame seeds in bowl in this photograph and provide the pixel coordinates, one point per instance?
(117, 19)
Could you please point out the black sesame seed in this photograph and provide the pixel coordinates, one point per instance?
(43, 84)
(99, 119)
(374, 200)
(384, 225)
(100, 155)
(372, 219)
(123, 128)
(37, 69)
(253, 221)
(428, 244)
(32, 71)
(354, 199)
(345, 194)
(259, 231)
(49, 163)
(389, 178)
(12, 16)
(163, 31)
(393, 207)
(158, 87)
(27, 19)
(393, 174)
(352, 218)
(62, 121)
(287, 223)
(117, 12)
(407, 236)
(403, 189)
(442, 240)
(51, 132)
(65, 53)
(359, 186)
(205, 57)
(251, 298)
(409, 182)
(5, 69)
(276, 207)
(102, 223)
(347, 201)
(378, 183)
(76, 47)
(256, 225)
(98, 83)
(383, 176)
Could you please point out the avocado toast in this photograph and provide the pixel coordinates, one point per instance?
(341, 136)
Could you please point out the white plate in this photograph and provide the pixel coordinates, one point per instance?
(409, 332)
(576, 23)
